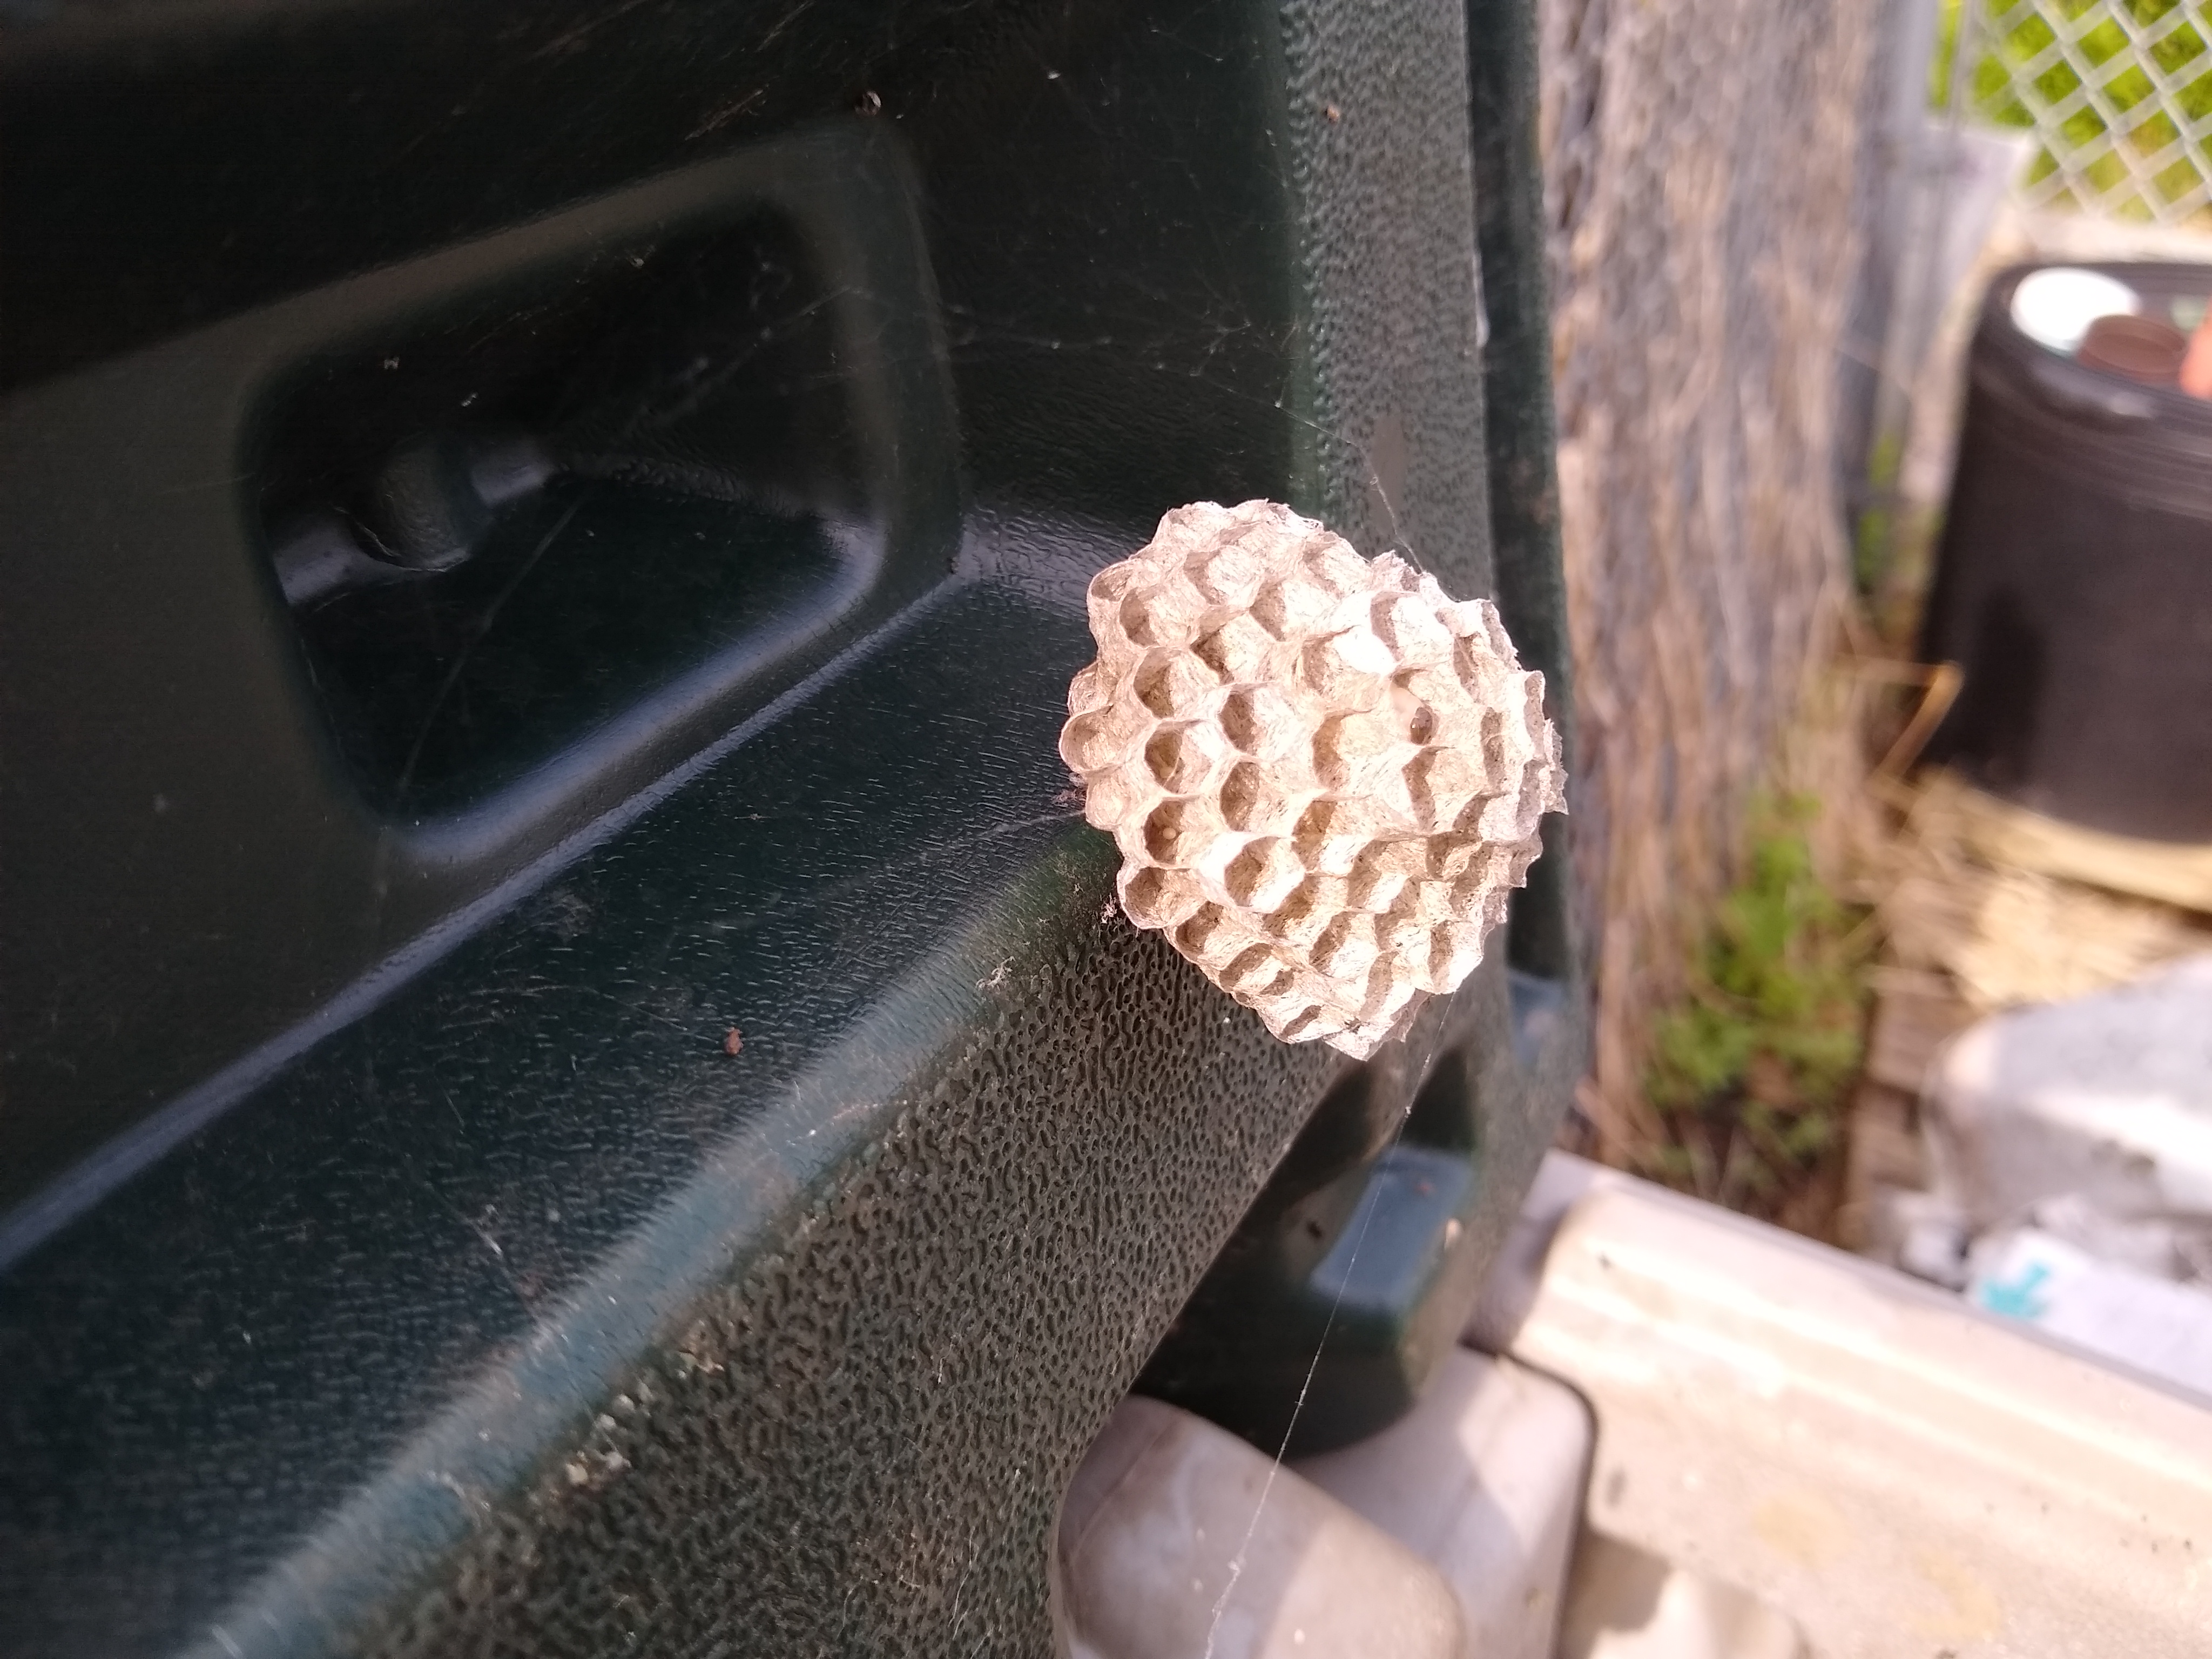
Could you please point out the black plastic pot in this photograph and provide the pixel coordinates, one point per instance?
(2075, 582)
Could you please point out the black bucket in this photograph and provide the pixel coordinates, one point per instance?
(2075, 582)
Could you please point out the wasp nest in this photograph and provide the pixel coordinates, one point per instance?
(1324, 775)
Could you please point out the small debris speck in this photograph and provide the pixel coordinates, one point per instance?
(868, 104)
(1334, 114)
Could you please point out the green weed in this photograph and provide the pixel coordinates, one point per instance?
(1750, 1074)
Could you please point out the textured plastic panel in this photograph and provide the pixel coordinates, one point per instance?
(426, 1274)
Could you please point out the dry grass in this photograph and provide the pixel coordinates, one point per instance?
(1663, 934)
(1702, 260)
(2001, 934)
(1741, 1084)
(1918, 903)
(1700, 159)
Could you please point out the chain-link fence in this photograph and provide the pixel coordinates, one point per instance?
(2119, 94)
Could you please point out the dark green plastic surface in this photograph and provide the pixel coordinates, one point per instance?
(586, 1100)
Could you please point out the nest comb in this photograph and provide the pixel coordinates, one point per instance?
(1324, 775)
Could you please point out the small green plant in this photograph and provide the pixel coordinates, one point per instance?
(1749, 1074)
(1875, 531)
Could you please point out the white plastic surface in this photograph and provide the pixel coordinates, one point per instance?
(2054, 306)
(1178, 1541)
(1889, 1469)
(2108, 1096)
(1628, 1604)
(2161, 1328)
(1484, 1480)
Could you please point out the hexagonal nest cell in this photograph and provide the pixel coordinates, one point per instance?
(1324, 774)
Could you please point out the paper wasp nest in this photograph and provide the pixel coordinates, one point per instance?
(1324, 775)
